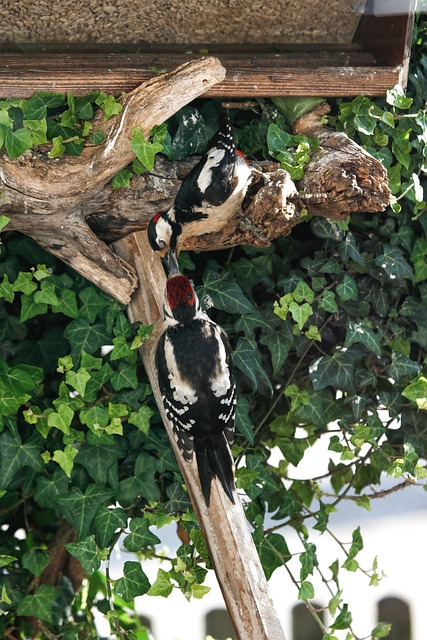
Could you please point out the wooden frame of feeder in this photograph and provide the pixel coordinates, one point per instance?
(375, 61)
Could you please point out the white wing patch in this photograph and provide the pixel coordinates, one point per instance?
(213, 160)
(221, 383)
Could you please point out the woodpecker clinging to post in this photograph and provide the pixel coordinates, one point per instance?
(196, 381)
(209, 195)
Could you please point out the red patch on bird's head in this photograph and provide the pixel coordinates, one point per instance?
(180, 292)
(242, 155)
(155, 218)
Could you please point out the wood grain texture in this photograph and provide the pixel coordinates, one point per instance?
(327, 74)
(224, 525)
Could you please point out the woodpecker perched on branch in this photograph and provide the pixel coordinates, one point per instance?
(196, 381)
(209, 195)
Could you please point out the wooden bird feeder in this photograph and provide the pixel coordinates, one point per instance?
(285, 48)
(68, 206)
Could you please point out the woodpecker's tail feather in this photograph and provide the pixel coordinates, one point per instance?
(214, 459)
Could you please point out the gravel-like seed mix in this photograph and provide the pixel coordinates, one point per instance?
(185, 21)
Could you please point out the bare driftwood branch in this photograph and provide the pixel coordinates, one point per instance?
(341, 178)
(224, 525)
(46, 198)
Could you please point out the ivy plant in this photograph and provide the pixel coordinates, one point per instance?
(328, 328)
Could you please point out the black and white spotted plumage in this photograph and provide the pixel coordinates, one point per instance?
(209, 195)
(196, 381)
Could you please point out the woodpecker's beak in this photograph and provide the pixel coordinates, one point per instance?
(172, 263)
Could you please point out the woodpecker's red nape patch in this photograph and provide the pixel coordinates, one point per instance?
(155, 218)
(179, 291)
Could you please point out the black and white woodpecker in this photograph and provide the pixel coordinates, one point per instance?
(196, 381)
(209, 195)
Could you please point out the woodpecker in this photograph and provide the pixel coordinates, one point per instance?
(196, 381)
(208, 196)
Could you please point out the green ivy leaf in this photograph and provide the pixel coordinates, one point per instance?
(178, 501)
(417, 392)
(397, 98)
(190, 137)
(85, 337)
(393, 263)
(344, 619)
(145, 150)
(78, 380)
(65, 459)
(107, 522)
(95, 417)
(300, 313)
(30, 308)
(100, 458)
(40, 604)
(15, 455)
(16, 142)
(80, 508)
(134, 582)
(306, 591)
(58, 147)
(224, 293)
(86, 552)
(246, 357)
(162, 586)
(140, 535)
(381, 630)
(62, 418)
(293, 108)
(273, 552)
(347, 289)
(35, 560)
(279, 343)
(67, 304)
(6, 289)
(122, 179)
(199, 590)
(359, 332)
(336, 371)
(141, 418)
(5, 560)
(25, 283)
(293, 450)
(402, 366)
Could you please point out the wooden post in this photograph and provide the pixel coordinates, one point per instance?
(232, 550)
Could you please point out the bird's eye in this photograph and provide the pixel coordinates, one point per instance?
(161, 243)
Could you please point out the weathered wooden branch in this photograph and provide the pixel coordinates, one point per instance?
(341, 178)
(224, 525)
(46, 198)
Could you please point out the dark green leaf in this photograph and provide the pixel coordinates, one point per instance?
(360, 332)
(134, 582)
(336, 371)
(39, 605)
(107, 522)
(224, 293)
(87, 552)
(140, 535)
(273, 552)
(80, 508)
(393, 263)
(35, 560)
(246, 357)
